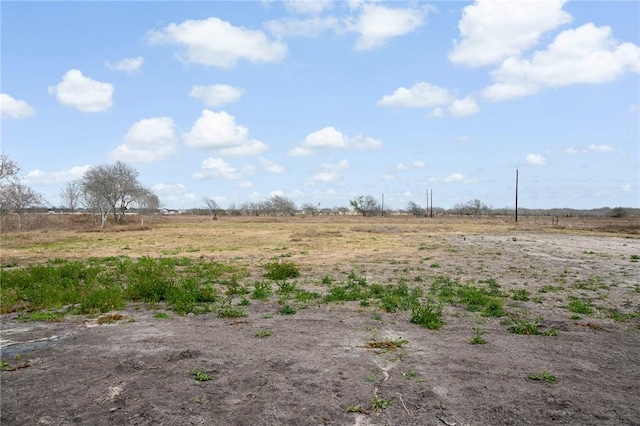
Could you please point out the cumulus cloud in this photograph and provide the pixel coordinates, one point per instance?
(421, 95)
(329, 137)
(600, 148)
(457, 178)
(377, 24)
(587, 54)
(129, 65)
(83, 93)
(271, 167)
(418, 164)
(216, 94)
(491, 31)
(464, 107)
(309, 7)
(330, 173)
(216, 43)
(147, 141)
(173, 194)
(217, 168)
(218, 131)
(38, 177)
(302, 27)
(14, 108)
(536, 160)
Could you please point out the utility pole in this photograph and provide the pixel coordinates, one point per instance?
(382, 205)
(426, 211)
(516, 195)
(431, 214)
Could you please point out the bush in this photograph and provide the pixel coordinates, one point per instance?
(281, 270)
(427, 315)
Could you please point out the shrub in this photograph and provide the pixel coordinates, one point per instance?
(281, 270)
(427, 315)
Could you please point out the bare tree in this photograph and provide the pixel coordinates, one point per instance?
(366, 205)
(212, 206)
(71, 194)
(114, 184)
(18, 198)
(148, 204)
(310, 209)
(9, 169)
(415, 209)
(281, 205)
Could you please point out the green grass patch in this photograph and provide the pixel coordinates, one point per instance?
(284, 270)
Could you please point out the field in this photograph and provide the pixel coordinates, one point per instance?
(336, 320)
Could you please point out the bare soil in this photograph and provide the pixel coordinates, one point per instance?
(315, 366)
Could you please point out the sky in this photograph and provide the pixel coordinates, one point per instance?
(322, 101)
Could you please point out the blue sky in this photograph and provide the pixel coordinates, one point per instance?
(322, 101)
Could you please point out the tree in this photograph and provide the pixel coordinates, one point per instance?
(281, 205)
(9, 169)
(71, 195)
(212, 206)
(310, 209)
(415, 209)
(148, 204)
(114, 184)
(473, 207)
(17, 198)
(366, 205)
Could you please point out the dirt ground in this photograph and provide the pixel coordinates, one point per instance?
(315, 367)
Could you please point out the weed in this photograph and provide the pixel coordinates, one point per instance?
(200, 376)
(434, 265)
(267, 316)
(287, 310)
(520, 326)
(261, 291)
(244, 302)
(161, 315)
(227, 311)
(326, 280)
(521, 294)
(356, 409)
(379, 404)
(549, 288)
(477, 336)
(593, 283)
(371, 378)
(575, 317)
(41, 316)
(281, 270)
(263, 333)
(198, 399)
(635, 258)
(410, 374)
(547, 377)
(427, 315)
(580, 307)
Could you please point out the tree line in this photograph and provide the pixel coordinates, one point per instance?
(114, 189)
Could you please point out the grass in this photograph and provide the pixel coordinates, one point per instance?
(544, 376)
(278, 271)
(529, 328)
(263, 333)
(477, 338)
(579, 306)
(287, 310)
(387, 345)
(200, 376)
(427, 315)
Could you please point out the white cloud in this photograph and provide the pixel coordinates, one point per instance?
(83, 93)
(14, 108)
(401, 166)
(418, 164)
(218, 131)
(421, 95)
(216, 94)
(626, 188)
(464, 107)
(271, 167)
(330, 173)
(217, 43)
(147, 141)
(378, 24)
(169, 188)
(457, 178)
(536, 160)
(437, 112)
(587, 54)
(329, 137)
(38, 177)
(217, 168)
(571, 150)
(388, 176)
(305, 27)
(491, 31)
(129, 65)
(311, 7)
(633, 109)
(245, 184)
(173, 194)
(600, 148)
